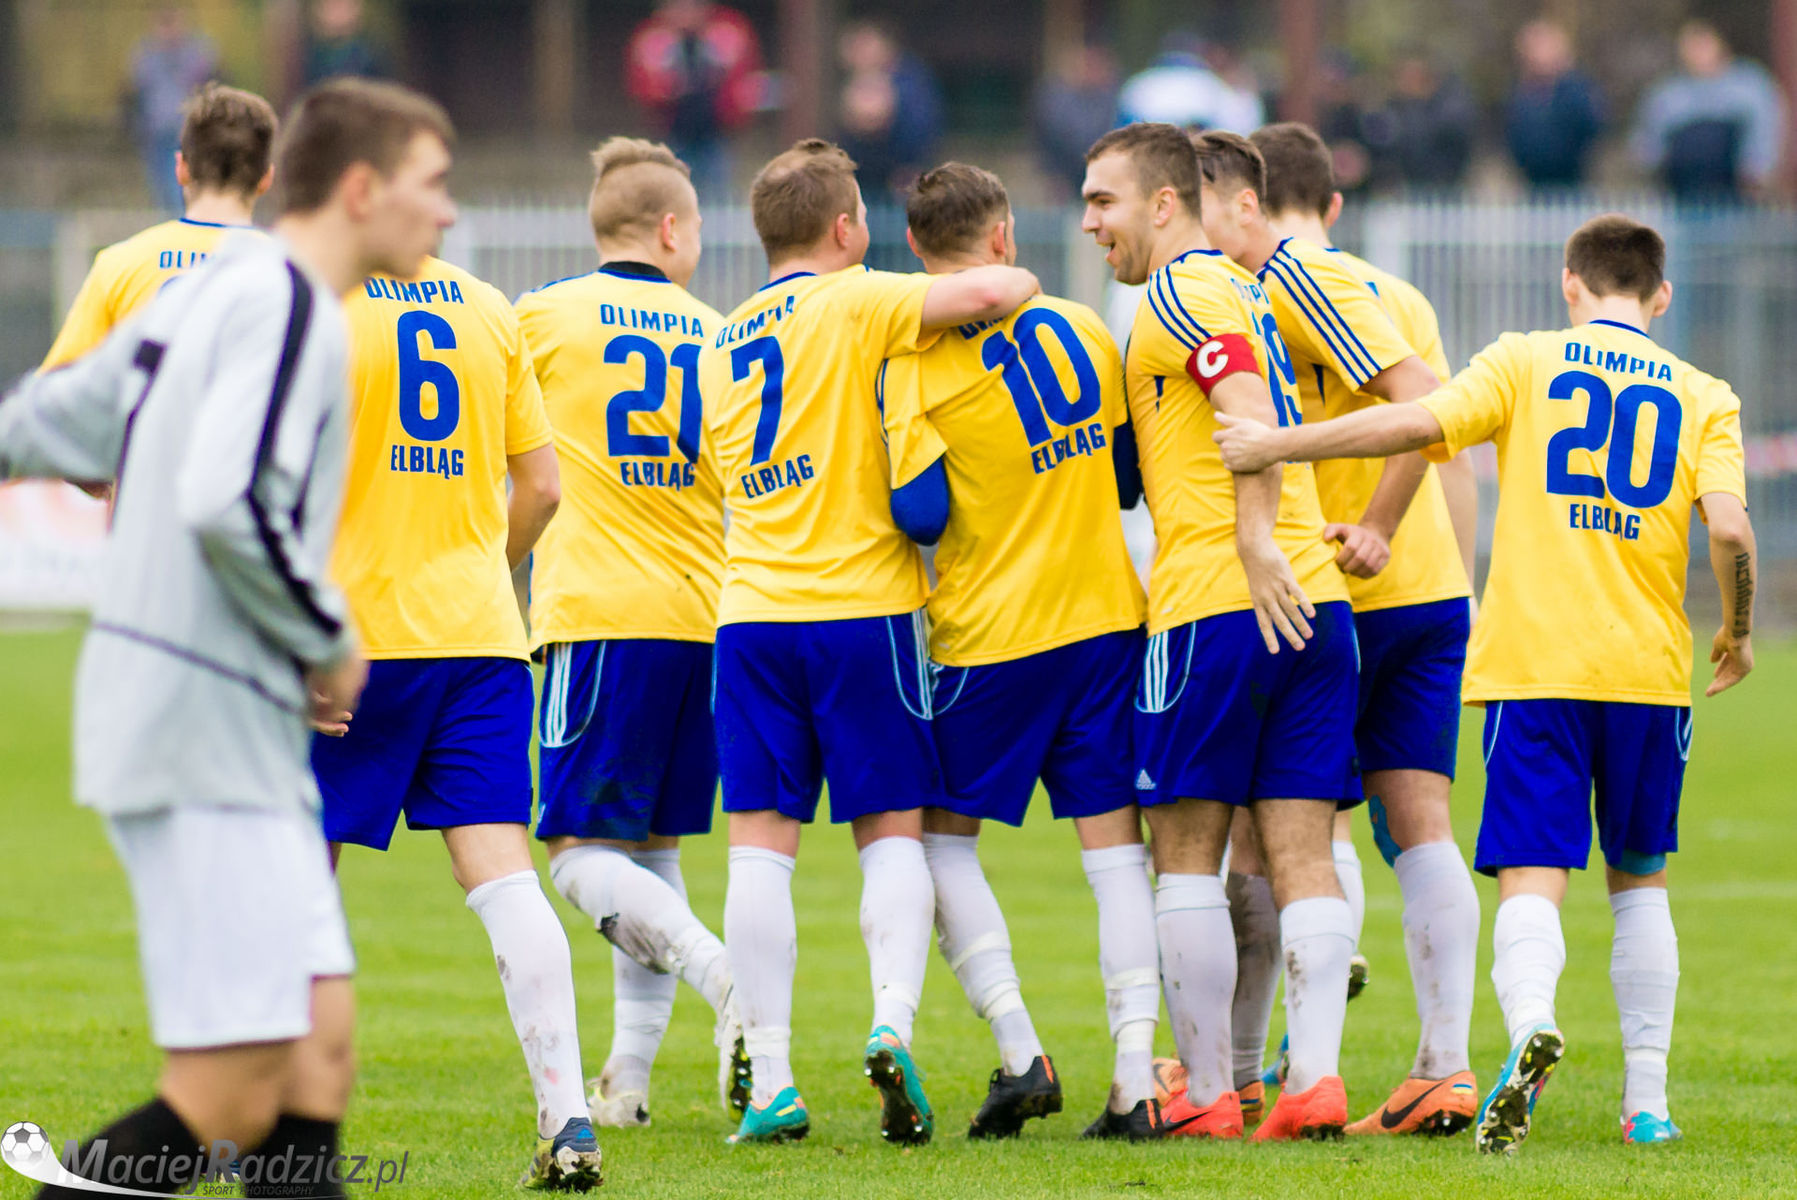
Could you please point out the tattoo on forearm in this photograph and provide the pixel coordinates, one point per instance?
(1743, 595)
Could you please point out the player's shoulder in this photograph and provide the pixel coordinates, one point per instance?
(1083, 318)
(1302, 267)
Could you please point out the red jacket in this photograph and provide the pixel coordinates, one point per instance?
(654, 73)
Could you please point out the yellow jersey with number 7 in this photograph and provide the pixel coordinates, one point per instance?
(1604, 442)
(441, 393)
(789, 384)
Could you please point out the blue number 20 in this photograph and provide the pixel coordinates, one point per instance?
(766, 351)
(415, 371)
(1030, 377)
(1615, 422)
(620, 442)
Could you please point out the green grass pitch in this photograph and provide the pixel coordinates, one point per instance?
(443, 1081)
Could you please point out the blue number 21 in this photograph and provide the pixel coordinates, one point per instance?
(415, 371)
(620, 442)
(766, 351)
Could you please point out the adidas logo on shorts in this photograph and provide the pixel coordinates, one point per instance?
(1143, 783)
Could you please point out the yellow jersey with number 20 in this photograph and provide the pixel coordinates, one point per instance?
(789, 385)
(441, 392)
(1604, 443)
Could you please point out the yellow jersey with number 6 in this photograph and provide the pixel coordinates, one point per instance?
(637, 548)
(1604, 442)
(1343, 328)
(441, 393)
(789, 385)
(124, 278)
(1022, 412)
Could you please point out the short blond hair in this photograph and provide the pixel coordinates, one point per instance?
(636, 182)
(797, 197)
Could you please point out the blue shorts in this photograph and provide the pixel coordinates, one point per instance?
(445, 740)
(1218, 718)
(626, 748)
(1062, 716)
(848, 701)
(1411, 661)
(1543, 758)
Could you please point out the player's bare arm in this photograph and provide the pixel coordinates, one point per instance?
(1733, 559)
(1280, 607)
(977, 294)
(1460, 489)
(1366, 547)
(536, 493)
(1250, 444)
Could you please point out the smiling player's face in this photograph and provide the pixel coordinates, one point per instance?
(1118, 216)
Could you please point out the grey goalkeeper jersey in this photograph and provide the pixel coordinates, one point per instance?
(220, 413)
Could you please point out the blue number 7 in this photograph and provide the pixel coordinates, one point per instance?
(766, 351)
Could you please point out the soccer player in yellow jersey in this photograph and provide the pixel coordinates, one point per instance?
(1581, 653)
(1244, 701)
(227, 141)
(444, 409)
(1035, 629)
(623, 600)
(821, 663)
(1411, 622)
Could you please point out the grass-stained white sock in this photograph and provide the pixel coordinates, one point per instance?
(898, 906)
(973, 938)
(1441, 942)
(1191, 917)
(1317, 936)
(762, 935)
(1129, 960)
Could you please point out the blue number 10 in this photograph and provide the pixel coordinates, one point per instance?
(1030, 377)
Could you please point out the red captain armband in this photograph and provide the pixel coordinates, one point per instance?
(1217, 359)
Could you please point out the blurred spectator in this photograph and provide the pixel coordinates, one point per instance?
(696, 66)
(1075, 106)
(1711, 132)
(340, 44)
(1341, 121)
(1555, 111)
(1423, 136)
(891, 114)
(1180, 88)
(168, 64)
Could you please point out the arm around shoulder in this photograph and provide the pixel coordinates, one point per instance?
(976, 294)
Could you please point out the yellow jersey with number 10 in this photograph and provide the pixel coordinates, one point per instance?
(1343, 328)
(1022, 411)
(1198, 296)
(1604, 443)
(789, 386)
(637, 548)
(441, 393)
(124, 278)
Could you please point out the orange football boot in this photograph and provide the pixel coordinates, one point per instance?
(1425, 1106)
(1221, 1118)
(1169, 1080)
(1316, 1114)
(1254, 1103)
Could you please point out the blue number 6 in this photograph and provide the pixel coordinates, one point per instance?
(415, 371)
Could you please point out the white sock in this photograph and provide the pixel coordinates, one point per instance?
(1353, 885)
(1644, 973)
(898, 904)
(1528, 954)
(1257, 961)
(1441, 940)
(1191, 916)
(638, 913)
(535, 969)
(642, 999)
(1129, 960)
(1317, 938)
(971, 933)
(763, 937)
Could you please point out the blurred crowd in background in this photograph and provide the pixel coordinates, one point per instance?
(1710, 128)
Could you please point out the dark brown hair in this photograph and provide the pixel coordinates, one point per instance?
(635, 184)
(1230, 158)
(227, 138)
(1300, 173)
(797, 197)
(1617, 256)
(342, 122)
(1162, 155)
(953, 207)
